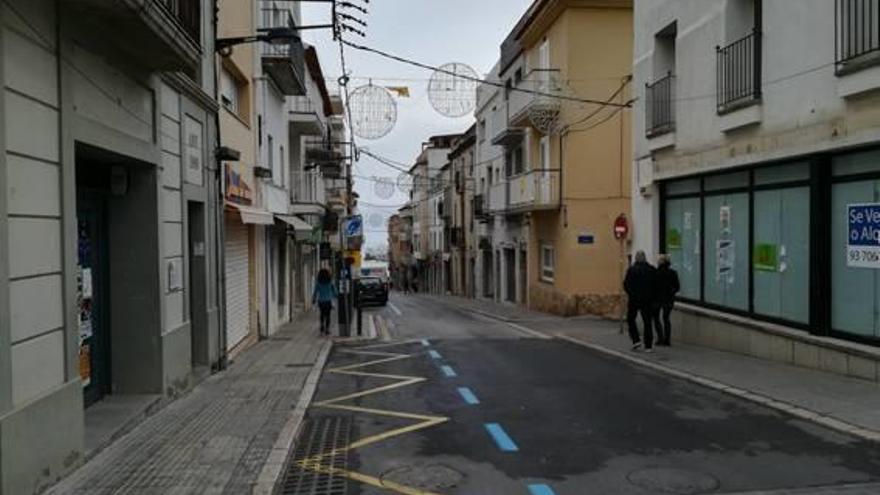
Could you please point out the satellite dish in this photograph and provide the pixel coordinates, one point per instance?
(452, 90)
(373, 112)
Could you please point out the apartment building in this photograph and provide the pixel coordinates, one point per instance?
(563, 185)
(460, 201)
(756, 169)
(110, 187)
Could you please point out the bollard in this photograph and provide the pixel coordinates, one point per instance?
(360, 320)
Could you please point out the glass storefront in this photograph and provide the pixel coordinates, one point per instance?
(796, 243)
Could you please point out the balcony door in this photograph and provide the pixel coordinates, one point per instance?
(545, 170)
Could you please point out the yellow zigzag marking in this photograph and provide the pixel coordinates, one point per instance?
(314, 463)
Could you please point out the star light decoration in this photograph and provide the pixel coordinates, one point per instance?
(452, 90)
(373, 112)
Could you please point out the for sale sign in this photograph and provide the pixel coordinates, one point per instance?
(863, 239)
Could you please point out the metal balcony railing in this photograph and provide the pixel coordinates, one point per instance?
(739, 73)
(857, 34)
(188, 14)
(660, 106)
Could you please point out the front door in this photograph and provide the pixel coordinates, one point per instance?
(94, 331)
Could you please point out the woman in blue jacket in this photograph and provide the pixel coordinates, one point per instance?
(324, 294)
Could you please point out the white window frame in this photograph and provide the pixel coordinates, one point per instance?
(548, 271)
(229, 89)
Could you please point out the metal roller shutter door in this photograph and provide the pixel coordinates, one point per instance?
(237, 286)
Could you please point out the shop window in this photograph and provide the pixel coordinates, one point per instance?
(726, 181)
(726, 243)
(781, 253)
(782, 173)
(548, 262)
(855, 282)
(690, 186)
(683, 243)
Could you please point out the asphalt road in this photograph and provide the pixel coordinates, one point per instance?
(470, 405)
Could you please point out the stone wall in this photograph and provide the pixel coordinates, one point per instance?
(550, 300)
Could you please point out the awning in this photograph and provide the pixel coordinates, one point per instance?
(252, 216)
(300, 227)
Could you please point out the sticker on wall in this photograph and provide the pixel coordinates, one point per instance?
(725, 262)
(863, 239)
(175, 275)
(725, 219)
(85, 365)
(688, 220)
(766, 258)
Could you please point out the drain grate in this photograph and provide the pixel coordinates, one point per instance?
(327, 436)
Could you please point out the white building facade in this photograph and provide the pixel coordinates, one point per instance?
(109, 187)
(756, 168)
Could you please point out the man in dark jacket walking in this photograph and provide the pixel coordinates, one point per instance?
(667, 287)
(640, 285)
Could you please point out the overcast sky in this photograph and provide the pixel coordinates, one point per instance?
(434, 32)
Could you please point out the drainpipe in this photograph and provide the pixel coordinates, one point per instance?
(219, 215)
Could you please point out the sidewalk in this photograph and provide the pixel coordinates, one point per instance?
(217, 439)
(835, 401)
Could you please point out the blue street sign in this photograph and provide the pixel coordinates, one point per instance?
(354, 226)
(586, 239)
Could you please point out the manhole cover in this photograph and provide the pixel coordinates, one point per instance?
(428, 477)
(322, 442)
(678, 481)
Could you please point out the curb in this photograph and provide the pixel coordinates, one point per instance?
(271, 476)
(788, 408)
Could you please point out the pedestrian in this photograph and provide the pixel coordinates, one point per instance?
(640, 287)
(667, 287)
(323, 295)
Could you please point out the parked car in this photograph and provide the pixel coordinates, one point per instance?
(372, 290)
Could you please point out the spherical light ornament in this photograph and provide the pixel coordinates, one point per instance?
(373, 112)
(383, 187)
(452, 90)
(405, 183)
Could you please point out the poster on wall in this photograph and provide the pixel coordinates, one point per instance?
(673, 240)
(85, 364)
(863, 235)
(725, 261)
(725, 219)
(766, 257)
(192, 130)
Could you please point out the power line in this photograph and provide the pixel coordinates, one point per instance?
(475, 79)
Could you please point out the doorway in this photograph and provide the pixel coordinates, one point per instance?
(94, 328)
(198, 291)
(510, 273)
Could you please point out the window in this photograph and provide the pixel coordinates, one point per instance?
(545, 153)
(660, 94)
(858, 316)
(229, 91)
(548, 262)
(857, 34)
(726, 241)
(683, 243)
(781, 253)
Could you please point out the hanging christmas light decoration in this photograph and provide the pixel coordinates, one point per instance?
(405, 182)
(373, 112)
(383, 187)
(452, 90)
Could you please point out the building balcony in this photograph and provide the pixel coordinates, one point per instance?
(535, 94)
(284, 63)
(308, 194)
(500, 133)
(857, 35)
(535, 190)
(322, 156)
(305, 118)
(739, 73)
(497, 199)
(161, 35)
(660, 106)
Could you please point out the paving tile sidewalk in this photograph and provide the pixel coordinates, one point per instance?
(216, 439)
(839, 402)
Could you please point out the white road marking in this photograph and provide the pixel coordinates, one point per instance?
(394, 308)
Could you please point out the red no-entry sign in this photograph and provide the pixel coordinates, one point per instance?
(621, 227)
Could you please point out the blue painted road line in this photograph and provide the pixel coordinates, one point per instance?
(501, 438)
(448, 371)
(434, 354)
(468, 396)
(541, 490)
(426, 343)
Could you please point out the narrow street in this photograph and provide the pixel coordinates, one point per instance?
(459, 403)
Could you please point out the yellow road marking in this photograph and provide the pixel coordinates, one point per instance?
(314, 463)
